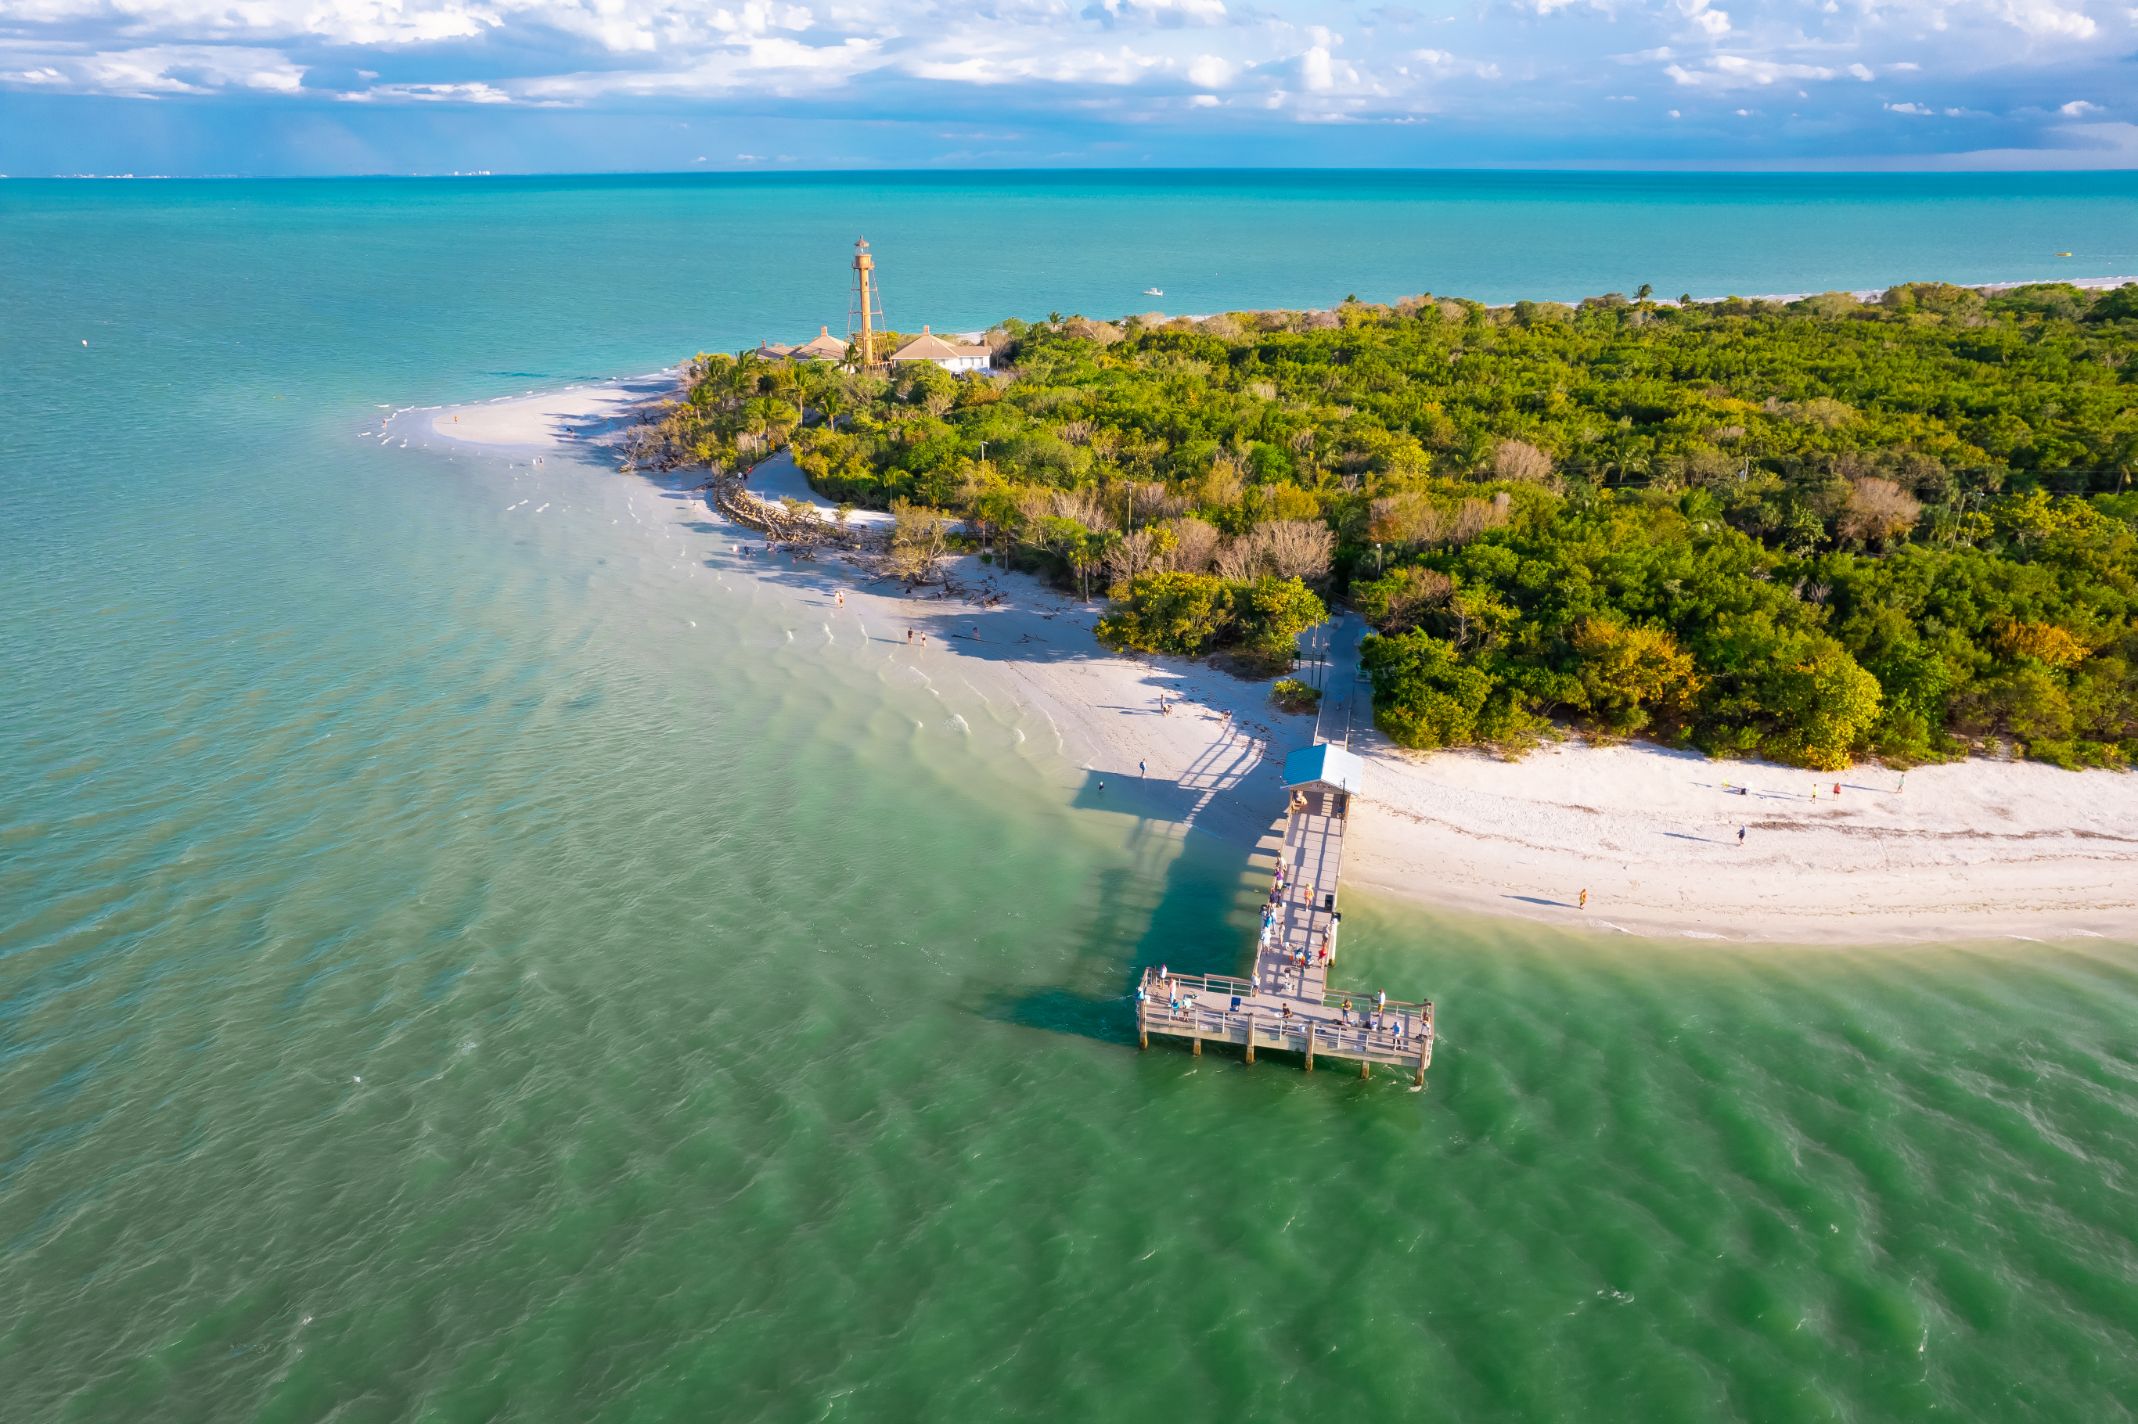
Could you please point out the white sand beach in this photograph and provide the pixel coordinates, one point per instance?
(1979, 849)
(590, 413)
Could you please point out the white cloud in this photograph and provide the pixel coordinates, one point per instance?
(164, 70)
(1202, 12)
(1715, 23)
(1210, 71)
(1114, 61)
(2045, 19)
(468, 93)
(1317, 71)
(1740, 71)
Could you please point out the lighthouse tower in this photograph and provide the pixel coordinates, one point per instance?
(865, 311)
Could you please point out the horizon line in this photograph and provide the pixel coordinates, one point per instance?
(1660, 168)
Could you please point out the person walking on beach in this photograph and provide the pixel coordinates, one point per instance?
(1740, 835)
(1584, 899)
(909, 637)
(1143, 768)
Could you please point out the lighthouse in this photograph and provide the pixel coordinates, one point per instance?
(866, 309)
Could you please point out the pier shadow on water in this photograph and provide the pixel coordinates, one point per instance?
(1191, 916)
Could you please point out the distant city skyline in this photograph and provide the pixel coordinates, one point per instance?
(275, 87)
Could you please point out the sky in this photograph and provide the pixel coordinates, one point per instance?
(273, 87)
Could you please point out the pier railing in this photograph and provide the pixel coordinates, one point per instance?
(1225, 1009)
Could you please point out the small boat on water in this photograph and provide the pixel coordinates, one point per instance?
(2063, 254)
(1157, 292)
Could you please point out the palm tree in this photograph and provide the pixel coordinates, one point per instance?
(830, 398)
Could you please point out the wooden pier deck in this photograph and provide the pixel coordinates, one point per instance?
(1286, 1001)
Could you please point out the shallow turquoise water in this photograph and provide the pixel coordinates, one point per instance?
(739, 1020)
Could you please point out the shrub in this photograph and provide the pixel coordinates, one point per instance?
(1292, 695)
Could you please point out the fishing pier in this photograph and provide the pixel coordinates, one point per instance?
(1286, 1002)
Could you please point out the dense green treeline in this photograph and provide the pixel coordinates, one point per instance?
(1813, 532)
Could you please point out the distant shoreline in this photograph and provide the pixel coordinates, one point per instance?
(1861, 294)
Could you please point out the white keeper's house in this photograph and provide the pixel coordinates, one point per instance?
(951, 356)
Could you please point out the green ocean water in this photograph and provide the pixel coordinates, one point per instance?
(459, 962)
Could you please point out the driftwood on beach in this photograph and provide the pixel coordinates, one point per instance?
(785, 523)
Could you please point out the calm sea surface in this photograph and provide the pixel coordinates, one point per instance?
(463, 963)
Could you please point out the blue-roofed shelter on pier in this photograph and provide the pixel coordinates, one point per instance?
(1324, 764)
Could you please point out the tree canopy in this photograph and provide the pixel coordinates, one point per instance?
(1811, 531)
